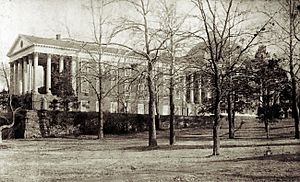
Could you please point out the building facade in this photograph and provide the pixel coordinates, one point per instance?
(35, 63)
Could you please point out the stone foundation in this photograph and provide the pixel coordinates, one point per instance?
(32, 126)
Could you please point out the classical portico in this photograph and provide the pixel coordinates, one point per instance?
(32, 66)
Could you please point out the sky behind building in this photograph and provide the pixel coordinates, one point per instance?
(70, 18)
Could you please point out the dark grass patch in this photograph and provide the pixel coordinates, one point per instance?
(182, 147)
(3, 146)
(266, 177)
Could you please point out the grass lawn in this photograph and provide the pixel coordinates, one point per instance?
(126, 157)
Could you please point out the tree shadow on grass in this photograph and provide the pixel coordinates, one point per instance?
(182, 147)
(194, 138)
(166, 147)
(281, 127)
(267, 178)
(276, 157)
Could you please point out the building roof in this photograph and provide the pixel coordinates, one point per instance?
(68, 44)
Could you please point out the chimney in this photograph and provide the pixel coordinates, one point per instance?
(58, 36)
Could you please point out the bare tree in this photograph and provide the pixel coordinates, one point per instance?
(296, 21)
(286, 32)
(223, 24)
(96, 70)
(149, 46)
(171, 25)
(11, 109)
(291, 49)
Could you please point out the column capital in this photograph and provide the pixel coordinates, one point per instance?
(11, 62)
(30, 56)
(49, 55)
(17, 61)
(25, 59)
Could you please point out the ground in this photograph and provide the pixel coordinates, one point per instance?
(126, 157)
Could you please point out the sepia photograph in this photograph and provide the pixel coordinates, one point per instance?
(149, 90)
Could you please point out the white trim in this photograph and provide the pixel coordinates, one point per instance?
(22, 53)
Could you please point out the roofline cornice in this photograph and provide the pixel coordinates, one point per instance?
(71, 49)
(17, 52)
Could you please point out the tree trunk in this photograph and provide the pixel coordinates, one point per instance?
(216, 126)
(172, 107)
(157, 117)
(233, 114)
(152, 129)
(100, 121)
(233, 123)
(216, 136)
(293, 77)
(230, 116)
(100, 99)
(267, 128)
(171, 96)
(295, 107)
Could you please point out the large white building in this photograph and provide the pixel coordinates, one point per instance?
(34, 62)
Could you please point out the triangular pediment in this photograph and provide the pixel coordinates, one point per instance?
(20, 43)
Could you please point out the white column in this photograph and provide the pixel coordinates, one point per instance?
(29, 75)
(61, 64)
(48, 74)
(34, 73)
(11, 81)
(20, 75)
(24, 76)
(73, 73)
(184, 88)
(192, 87)
(184, 93)
(200, 88)
(17, 83)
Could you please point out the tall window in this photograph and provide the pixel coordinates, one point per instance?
(127, 89)
(113, 77)
(127, 106)
(84, 106)
(178, 110)
(127, 71)
(141, 109)
(141, 90)
(113, 107)
(165, 110)
(97, 106)
(84, 84)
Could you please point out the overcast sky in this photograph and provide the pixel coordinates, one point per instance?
(46, 18)
(39, 17)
